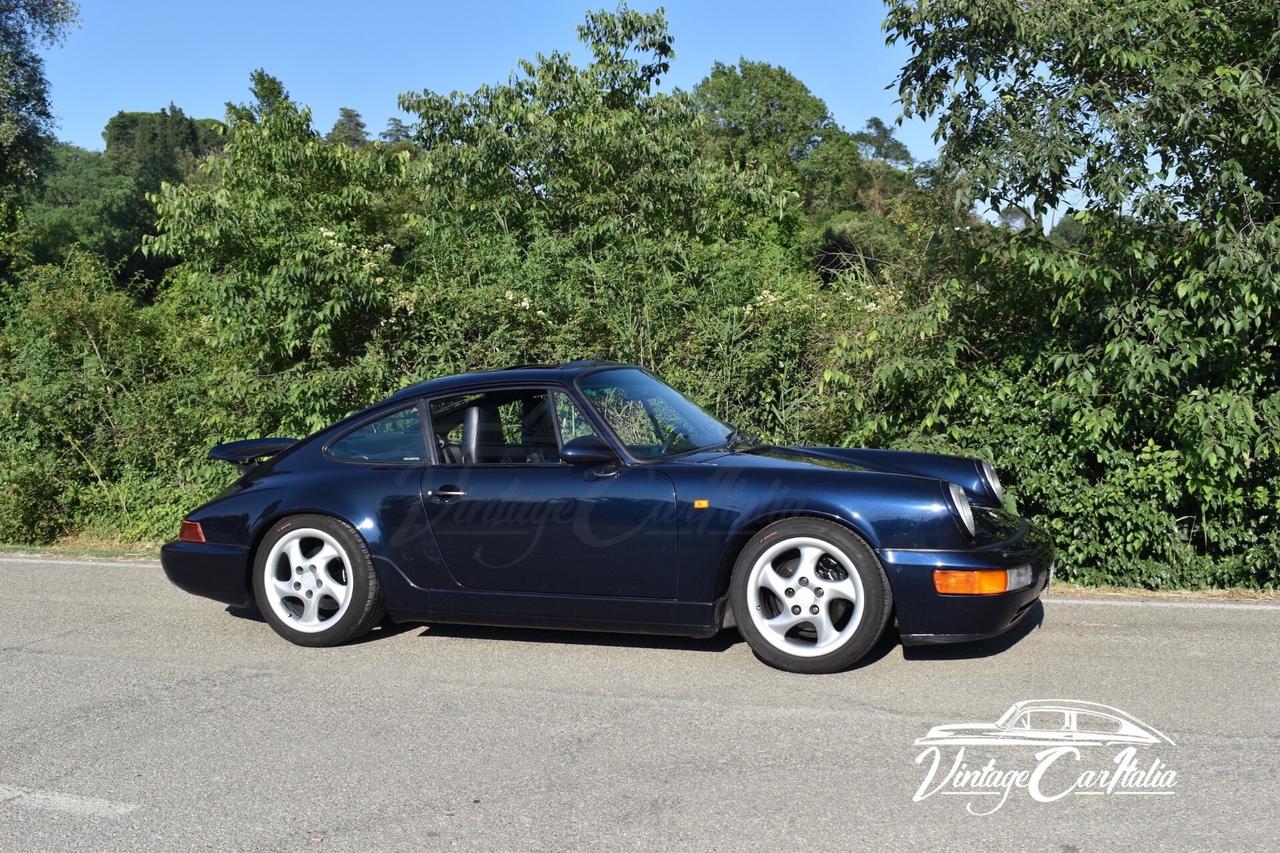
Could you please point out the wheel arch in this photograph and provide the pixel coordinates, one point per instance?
(267, 523)
(743, 533)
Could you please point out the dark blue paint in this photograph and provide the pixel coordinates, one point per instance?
(555, 528)
(615, 545)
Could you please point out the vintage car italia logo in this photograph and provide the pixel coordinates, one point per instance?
(1048, 749)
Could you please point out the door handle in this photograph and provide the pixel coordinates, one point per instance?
(446, 492)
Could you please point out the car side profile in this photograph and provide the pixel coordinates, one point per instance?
(1050, 722)
(593, 496)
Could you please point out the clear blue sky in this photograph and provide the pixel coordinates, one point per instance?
(143, 54)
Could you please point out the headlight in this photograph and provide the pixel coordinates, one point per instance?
(993, 480)
(960, 501)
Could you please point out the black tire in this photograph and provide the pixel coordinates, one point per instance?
(365, 610)
(877, 598)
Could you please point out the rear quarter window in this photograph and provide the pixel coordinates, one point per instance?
(394, 438)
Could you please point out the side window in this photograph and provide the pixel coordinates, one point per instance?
(1044, 721)
(394, 438)
(569, 418)
(502, 427)
(1097, 723)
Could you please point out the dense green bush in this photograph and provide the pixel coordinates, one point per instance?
(1128, 377)
(807, 283)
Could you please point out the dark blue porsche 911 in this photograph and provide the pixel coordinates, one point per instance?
(593, 496)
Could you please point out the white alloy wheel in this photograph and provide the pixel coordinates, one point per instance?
(307, 580)
(805, 596)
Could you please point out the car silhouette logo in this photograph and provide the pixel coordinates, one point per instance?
(1050, 722)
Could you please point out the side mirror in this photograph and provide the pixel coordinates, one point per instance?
(587, 450)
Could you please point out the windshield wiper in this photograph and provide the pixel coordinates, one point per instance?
(739, 440)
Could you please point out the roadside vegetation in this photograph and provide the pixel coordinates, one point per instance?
(1083, 288)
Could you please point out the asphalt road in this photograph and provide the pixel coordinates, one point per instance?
(137, 717)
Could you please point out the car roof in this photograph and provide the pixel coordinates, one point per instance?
(1067, 705)
(1070, 705)
(554, 374)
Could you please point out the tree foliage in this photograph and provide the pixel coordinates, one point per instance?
(807, 282)
(762, 115)
(25, 114)
(97, 202)
(1129, 375)
(349, 129)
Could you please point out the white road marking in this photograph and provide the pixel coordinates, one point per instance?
(56, 801)
(1180, 605)
(72, 561)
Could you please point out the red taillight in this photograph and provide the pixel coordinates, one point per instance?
(190, 532)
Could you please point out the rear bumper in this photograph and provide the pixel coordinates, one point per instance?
(220, 572)
(925, 616)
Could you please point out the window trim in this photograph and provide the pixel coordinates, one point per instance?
(327, 449)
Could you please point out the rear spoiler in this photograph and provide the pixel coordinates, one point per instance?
(247, 454)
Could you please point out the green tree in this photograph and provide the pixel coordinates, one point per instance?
(589, 196)
(97, 202)
(25, 114)
(159, 146)
(286, 249)
(397, 131)
(81, 203)
(761, 115)
(1128, 376)
(570, 211)
(878, 142)
(348, 130)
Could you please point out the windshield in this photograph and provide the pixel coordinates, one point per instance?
(650, 418)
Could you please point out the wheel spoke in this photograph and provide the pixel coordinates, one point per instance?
(784, 622)
(326, 555)
(822, 624)
(330, 587)
(840, 589)
(310, 610)
(775, 583)
(809, 555)
(283, 589)
(294, 552)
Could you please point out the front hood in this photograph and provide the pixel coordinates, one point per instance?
(960, 730)
(775, 457)
(965, 472)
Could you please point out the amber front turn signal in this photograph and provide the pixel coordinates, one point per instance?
(970, 582)
(190, 532)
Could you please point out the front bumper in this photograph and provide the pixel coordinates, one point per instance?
(220, 572)
(926, 616)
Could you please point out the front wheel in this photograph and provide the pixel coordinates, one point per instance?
(314, 582)
(809, 596)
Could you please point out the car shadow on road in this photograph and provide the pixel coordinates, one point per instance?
(980, 648)
(721, 642)
(382, 631)
(251, 613)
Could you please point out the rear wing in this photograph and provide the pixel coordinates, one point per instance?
(248, 454)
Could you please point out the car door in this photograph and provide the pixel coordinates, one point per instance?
(508, 515)
(375, 482)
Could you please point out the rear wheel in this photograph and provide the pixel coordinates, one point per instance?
(809, 596)
(314, 581)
